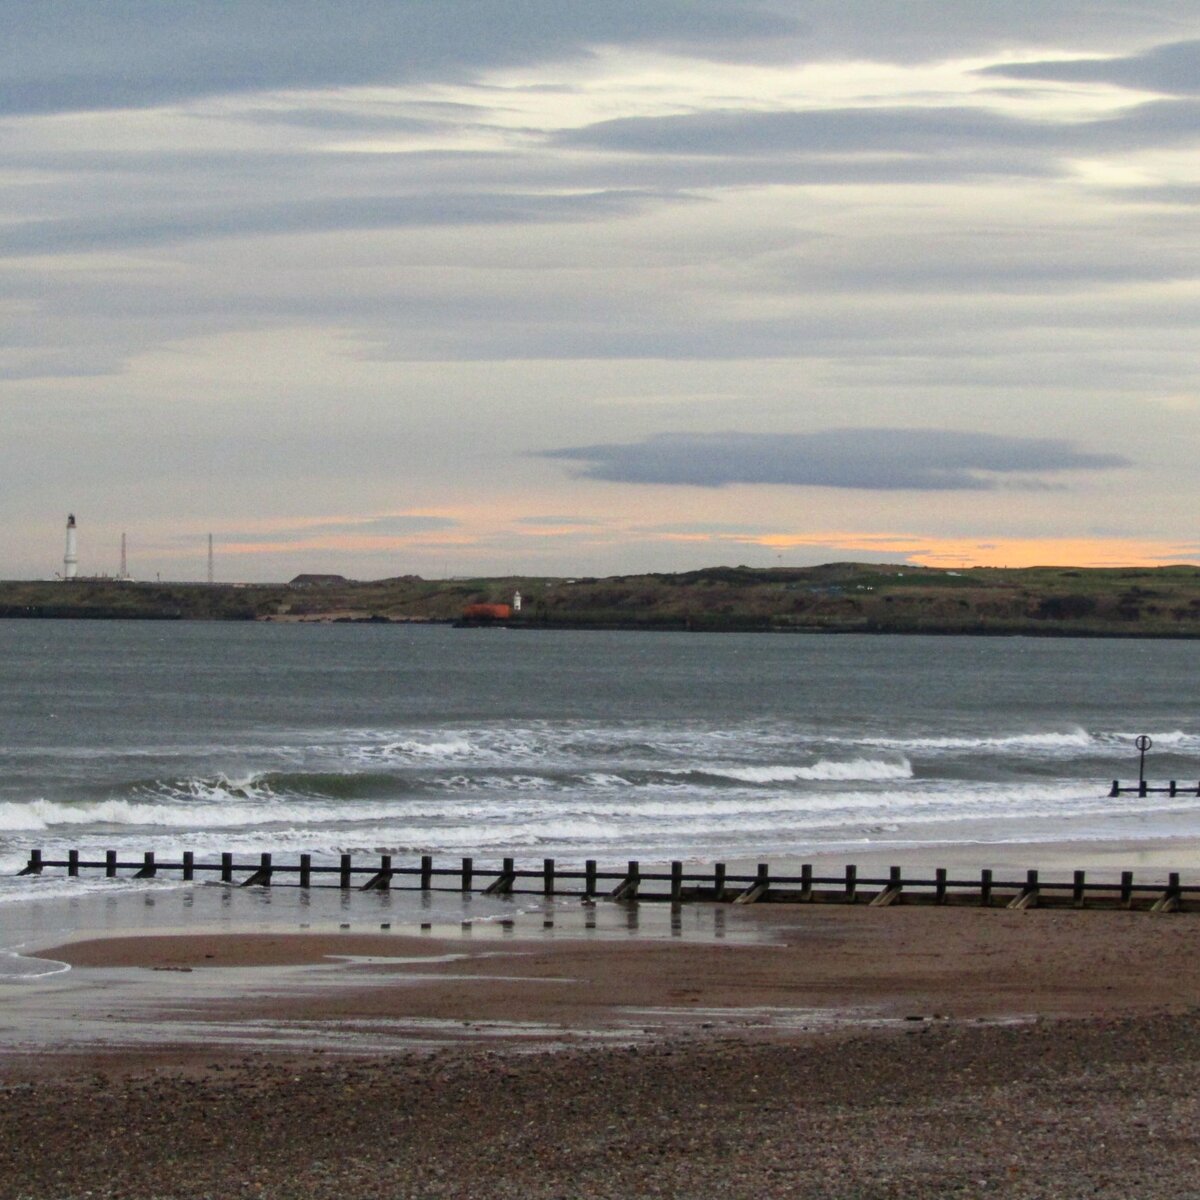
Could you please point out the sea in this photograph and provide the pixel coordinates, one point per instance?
(425, 739)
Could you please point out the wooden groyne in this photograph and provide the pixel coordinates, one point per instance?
(674, 885)
(1142, 788)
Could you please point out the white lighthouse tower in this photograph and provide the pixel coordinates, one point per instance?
(71, 558)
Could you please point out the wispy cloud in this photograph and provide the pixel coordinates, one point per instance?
(1173, 67)
(899, 130)
(392, 525)
(67, 235)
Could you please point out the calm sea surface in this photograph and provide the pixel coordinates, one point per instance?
(326, 738)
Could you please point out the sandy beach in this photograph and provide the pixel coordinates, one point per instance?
(829, 1052)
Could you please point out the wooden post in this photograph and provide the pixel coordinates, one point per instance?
(1116, 789)
(226, 867)
(1169, 901)
(939, 886)
(189, 865)
(344, 873)
(985, 887)
(1172, 790)
(806, 885)
(381, 881)
(1029, 894)
(891, 893)
(306, 870)
(149, 870)
(1142, 785)
(719, 881)
(627, 889)
(1077, 889)
(34, 866)
(426, 872)
(261, 877)
(547, 877)
(589, 877)
(758, 889)
(468, 873)
(73, 862)
(110, 864)
(676, 882)
(502, 885)
(1127, 889)
(851, 883)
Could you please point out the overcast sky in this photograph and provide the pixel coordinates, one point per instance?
(579, 287)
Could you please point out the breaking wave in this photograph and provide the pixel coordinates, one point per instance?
(823, 769)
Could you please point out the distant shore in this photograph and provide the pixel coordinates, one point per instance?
(1160, 602)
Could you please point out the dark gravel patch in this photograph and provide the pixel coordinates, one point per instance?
(1068, 1108)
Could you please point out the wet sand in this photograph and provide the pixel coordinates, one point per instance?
(898, 962)
(838, 1053)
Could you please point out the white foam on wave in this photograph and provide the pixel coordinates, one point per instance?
(219, 788)
(48, 814)
(1078, 739)
(439, 750)
(823, 769)
(1175, 738)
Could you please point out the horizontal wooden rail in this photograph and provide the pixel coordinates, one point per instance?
(676, 884)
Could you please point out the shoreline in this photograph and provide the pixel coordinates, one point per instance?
(698, 625)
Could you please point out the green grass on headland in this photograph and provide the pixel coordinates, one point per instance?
(834, 598)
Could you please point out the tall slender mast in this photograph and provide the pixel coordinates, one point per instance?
(210, 559)
(124, 563)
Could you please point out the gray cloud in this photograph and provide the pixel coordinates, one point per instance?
(61, 56)
(871, 459)
(913, 31)
(409, 117)
(713, 528)
(902, 129)
(58, 55)
(392, 525)
(1173, 67)
(70, 235)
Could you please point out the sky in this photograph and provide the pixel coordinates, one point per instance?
(589, 287)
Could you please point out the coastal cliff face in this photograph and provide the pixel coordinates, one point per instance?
(834, 598)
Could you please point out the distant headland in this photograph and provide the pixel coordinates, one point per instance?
(834, 598)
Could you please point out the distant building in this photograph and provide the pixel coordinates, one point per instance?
(487, 612)
(303, 581)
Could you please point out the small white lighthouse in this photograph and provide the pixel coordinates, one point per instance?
(516, 604)
(71, 558)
